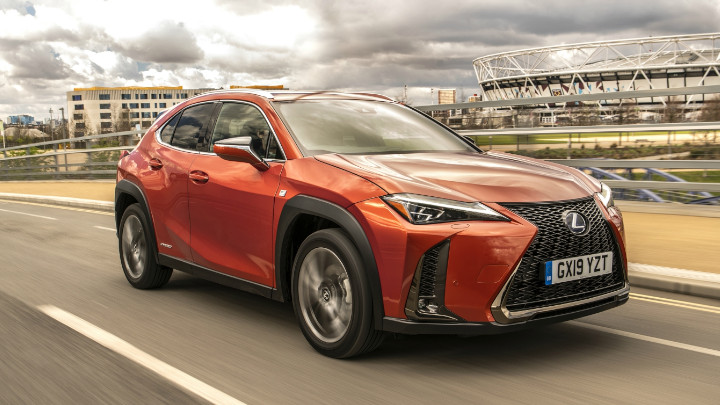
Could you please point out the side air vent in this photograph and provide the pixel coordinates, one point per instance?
(426, 300)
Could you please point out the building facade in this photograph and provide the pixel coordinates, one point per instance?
(99, 110)
(446, 96)
(22, 119)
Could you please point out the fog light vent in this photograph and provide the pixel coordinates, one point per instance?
(426, 299)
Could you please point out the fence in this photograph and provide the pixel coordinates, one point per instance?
(96, 157)
(85, 157)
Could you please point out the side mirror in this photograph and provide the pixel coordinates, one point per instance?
(238, 149)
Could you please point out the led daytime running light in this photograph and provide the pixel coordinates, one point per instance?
(421, 210)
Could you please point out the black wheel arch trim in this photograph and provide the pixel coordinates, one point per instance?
(303, 204)
(127, 187)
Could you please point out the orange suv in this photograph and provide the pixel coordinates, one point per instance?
(368, 215)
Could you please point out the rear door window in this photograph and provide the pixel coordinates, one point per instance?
(240, 119)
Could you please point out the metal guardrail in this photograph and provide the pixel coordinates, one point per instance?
(645, 164)
(592, 129)
(49, 164)
(66, 160)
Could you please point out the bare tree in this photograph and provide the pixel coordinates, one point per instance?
(627, 114)
(711, 110)
(673, 111)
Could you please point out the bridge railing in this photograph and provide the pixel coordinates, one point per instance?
(96, 156)
(92, 156)
(622, 175)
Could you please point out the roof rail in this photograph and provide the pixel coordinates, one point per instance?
(261, 93)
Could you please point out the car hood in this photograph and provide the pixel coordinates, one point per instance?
(486, 177)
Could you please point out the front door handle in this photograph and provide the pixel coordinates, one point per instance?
(155, 164)
(199, 177)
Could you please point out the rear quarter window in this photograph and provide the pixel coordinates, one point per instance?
(191, 129)
(168, 129)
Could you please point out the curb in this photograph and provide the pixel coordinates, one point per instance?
(62, 201)
(688, 282)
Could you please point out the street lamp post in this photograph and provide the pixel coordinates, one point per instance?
(62, 122)
(51, 125)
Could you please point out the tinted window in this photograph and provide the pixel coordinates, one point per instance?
(237, 119)
(364, 127)
(191, 129)
(168, 129)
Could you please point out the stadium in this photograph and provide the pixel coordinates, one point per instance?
(649, 63)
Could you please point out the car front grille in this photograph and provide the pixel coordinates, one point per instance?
(554, 241)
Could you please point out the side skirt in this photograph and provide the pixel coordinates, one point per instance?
(217, 277)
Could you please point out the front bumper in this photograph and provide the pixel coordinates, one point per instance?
(485, 273)
(560, 313)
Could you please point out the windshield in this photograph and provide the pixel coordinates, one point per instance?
(364, 127)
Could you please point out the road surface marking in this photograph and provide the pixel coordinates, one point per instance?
(131, 352)
(676, 303)
(30, 215)
(651, 339)
(104, 228)
(62, 207)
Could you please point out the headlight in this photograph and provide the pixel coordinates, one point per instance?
(421, 210)
(606, 195)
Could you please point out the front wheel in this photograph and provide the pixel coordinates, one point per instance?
(331, 296)
(137, 255)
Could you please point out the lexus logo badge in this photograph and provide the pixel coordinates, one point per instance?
(576, 223)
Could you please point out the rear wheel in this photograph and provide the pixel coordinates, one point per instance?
(137, 255)
(331, 296)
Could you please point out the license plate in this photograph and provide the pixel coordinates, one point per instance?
(577, 268)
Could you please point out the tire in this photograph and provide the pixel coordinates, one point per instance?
(137, 253)
(331, 296)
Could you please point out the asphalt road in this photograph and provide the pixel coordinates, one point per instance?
(250, 348)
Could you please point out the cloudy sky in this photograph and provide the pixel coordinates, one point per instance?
(49, 47)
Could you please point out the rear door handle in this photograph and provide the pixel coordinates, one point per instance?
(199, 177)
(155, 164)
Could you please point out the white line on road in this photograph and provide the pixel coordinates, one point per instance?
(104, 228)
(675, 303)
(30, 215)
(651, 339)
(131, 352)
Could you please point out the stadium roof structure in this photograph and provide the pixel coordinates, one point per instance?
(601, 67)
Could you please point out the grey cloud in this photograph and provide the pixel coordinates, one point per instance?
(168, 42)
(37, 62)
(359, 45)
